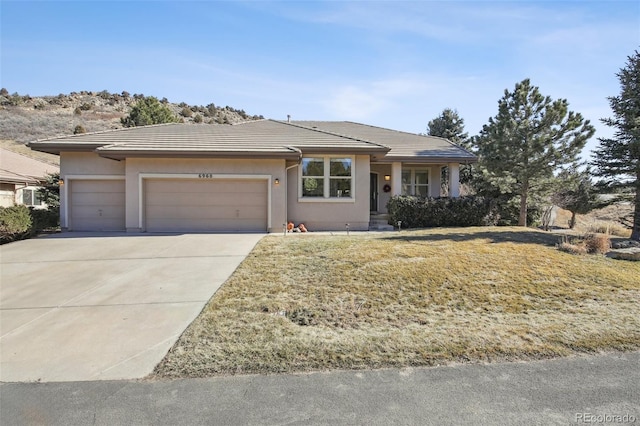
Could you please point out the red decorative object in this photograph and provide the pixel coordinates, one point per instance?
(386, 188)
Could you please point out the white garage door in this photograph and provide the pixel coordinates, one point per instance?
(193, 205)
(97, 205)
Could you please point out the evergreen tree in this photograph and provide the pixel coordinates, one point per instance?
(529, 139)
(449, 125)
(147, 111)
(49, 191)
(575, 192)
(618, 158)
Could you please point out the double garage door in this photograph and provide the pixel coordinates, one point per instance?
(172, 205)
(193, 205)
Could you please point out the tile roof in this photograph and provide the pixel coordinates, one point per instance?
(262, 138)
(404, 146)
(18, 168)
(267, 138)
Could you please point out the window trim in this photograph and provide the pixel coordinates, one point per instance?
(34, 196)
(327, 180)
(412, 185)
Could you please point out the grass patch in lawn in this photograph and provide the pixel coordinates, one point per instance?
(415, 298)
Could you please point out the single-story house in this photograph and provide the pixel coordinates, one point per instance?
(253, 176)
(20, 178)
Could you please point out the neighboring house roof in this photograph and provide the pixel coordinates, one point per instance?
(20, 169)
(404, 146)
(260, 139)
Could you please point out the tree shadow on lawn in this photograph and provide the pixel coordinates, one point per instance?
(498, 236)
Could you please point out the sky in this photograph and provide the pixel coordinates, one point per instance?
(394, 64)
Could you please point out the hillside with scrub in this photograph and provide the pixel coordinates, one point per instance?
(25, 118)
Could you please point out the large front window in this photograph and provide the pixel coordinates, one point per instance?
(415, 182)
(327, 177)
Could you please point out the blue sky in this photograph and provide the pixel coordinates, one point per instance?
(393, 64)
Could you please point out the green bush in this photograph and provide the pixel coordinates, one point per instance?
(15, 223)
(44, 219)
(415, 212)
(21, 222)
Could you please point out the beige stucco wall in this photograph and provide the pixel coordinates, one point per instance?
(87, 163)
(327, 214)
(324, 214)
(136, 166)
(7, 194)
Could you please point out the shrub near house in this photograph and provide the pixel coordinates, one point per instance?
(15, 223)
(416, 212)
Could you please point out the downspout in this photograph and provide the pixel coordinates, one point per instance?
(286, 183)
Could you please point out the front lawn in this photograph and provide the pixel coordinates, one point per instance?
(411, 298)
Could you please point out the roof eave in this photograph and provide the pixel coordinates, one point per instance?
(57, 148)
(428, 160)
(124, 154)
(343, 150)
(18, 181)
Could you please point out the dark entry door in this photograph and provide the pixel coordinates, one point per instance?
(373, 188)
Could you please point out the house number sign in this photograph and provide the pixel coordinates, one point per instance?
(205, 175)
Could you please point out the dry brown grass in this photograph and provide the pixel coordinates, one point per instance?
(310, 302)
(600, 221)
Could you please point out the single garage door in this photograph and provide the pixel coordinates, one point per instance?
(97, 205)
(194, 205)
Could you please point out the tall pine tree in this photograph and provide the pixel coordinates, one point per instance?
(617, 159)
(531, 137)
(449, 125)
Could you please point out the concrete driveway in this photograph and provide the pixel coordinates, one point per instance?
(82, 306)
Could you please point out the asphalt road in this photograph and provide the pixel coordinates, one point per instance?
(603, 389)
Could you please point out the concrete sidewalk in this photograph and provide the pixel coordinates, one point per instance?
(570, 391)
(82, 306)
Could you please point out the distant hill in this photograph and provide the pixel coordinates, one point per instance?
(25, 118)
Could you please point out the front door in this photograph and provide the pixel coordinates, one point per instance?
(373, 188)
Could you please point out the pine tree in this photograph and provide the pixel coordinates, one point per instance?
(449, 125)
(529, 139)
(576, 193)
(618, 158)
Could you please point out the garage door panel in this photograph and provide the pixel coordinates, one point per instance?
(203, 199)
(97, 186)
(185, 212)
(98, 198)
(97, 205)
(97, 211)
(205, 225)
(206, 205)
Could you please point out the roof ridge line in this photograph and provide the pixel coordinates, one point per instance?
(331, 133)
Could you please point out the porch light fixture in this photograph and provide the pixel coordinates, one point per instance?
(387, 177)
(60, 181)
(276, 181)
